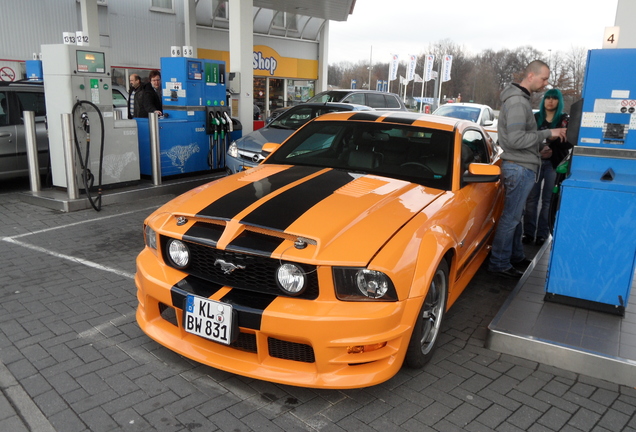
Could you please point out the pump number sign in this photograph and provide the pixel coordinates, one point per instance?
(208, 318)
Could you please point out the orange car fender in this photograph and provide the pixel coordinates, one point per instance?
(437, 244)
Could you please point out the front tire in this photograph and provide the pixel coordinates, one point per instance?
(429, 321)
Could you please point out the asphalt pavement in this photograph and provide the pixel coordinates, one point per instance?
(72, 357)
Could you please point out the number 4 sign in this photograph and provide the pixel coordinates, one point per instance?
(610, 40)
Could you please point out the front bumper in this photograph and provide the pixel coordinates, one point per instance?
(288, 341)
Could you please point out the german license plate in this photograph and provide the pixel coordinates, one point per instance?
(209, 319)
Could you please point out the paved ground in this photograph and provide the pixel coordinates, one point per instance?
(73, 358)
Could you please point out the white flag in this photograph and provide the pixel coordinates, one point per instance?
(393, 67)
(428, 68)
(448, 61)
(403, 80)
(417, 78)
(410, 71)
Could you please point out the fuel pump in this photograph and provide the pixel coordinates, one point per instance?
(593, 256)
(77, 80)
(218, 126)
(189, 137)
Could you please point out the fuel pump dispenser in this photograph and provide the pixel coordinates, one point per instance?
(191, 88)
(77, 81)
(594, 248)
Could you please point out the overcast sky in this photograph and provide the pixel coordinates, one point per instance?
(404, 27)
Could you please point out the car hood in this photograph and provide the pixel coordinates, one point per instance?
(254, 141)
(339, 217)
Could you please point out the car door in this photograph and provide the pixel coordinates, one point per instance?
(31, 100)
(480, 198)
(8, 139)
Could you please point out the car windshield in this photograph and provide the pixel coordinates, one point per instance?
(460, 112)
(298, 116)
(415, 154)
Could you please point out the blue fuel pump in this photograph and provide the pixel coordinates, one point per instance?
(594, 248)
(191, 87)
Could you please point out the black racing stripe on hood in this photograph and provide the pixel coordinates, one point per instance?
(192, 285)
(255, 243)
(249, 305)
(234, 202)
(282, 210)
(204, 233)
(398, 119)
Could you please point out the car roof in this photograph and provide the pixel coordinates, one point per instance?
(21, 83)
(352, 107)
(466, 104)
(404, 117)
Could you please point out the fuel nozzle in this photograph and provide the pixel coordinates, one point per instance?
(216, 124)
(222, 123)
(230, 126)
(86, 124)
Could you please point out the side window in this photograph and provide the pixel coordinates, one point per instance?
(392, 102)
(376, 100)
(32, 101)
(474, 148)
(4, 109)
(355, 98)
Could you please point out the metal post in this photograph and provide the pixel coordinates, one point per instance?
(32, 150)
(69, 157)
(155, 153)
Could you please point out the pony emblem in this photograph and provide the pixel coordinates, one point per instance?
(228, 267)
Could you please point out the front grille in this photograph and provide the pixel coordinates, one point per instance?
(290, 350)
(259, 274)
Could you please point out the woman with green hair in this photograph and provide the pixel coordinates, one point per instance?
(536, 228)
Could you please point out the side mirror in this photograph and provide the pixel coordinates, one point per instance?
(482, 173)
(269, 148)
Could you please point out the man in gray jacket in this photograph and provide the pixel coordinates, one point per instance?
(519, 140)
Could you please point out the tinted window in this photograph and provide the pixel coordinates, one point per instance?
(474, 141)
(30, 101)
(4, 110)
(355, 98)
(392, 102)
(376, 100)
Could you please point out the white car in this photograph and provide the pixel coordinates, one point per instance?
(483, 115)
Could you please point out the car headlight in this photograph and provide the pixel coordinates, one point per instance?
(150, 237)
(232, 150)
(291, 279)
(179, 253)
(362, 284)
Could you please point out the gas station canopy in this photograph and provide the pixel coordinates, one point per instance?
(333, 10)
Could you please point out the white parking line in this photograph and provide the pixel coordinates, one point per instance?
(70, 258)
(13, 240)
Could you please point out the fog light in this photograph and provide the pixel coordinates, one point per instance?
(179, 253)
(291, 279)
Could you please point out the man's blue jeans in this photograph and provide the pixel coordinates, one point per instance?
(543, 189)
(507, 247)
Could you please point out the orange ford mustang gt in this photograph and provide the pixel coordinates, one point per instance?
(333, 262)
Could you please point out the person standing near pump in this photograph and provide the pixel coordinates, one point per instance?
(135, 90)
(550, 116)
(151, 96)
(519, 139)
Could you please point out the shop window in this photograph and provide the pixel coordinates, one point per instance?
(162, 6)
(221, 11)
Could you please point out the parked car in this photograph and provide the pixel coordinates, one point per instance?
(19, 96)
(246, 153)
(378, 100)
(483, 115)
(334, 261)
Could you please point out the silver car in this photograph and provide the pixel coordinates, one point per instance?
(19, 96)
(246, 153)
